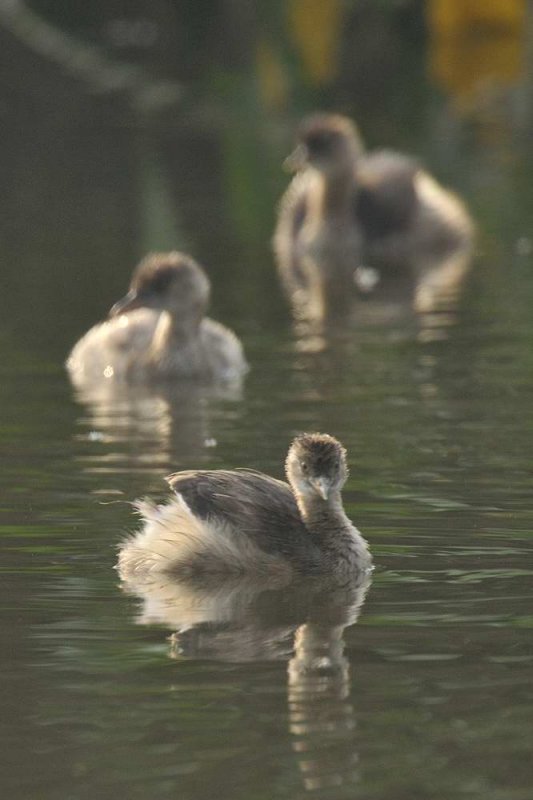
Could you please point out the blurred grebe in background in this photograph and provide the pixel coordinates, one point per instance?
(352, 220)
(158, 331)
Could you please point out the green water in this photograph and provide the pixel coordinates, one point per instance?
(432, 697)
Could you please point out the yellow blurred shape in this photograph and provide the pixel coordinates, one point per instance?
(455, 17)
(315, 27)
(271, 76)
(474, 43)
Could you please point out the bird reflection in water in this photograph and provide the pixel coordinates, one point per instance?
(424, 307)
(147, 425)
(252, 619)
(321, 716)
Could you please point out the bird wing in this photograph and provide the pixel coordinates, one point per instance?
(114, 342)
(250, 503)
(385, 198)
(133, 331)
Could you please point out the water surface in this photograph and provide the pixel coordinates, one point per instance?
(426, 688)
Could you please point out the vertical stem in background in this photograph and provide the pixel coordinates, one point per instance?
(161, 227)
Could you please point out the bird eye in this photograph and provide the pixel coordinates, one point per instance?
(303, 466)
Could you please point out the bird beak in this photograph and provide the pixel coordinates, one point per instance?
(297, 160)
(127, 303)
(321, 486)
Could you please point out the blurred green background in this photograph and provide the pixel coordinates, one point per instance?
(130, 126)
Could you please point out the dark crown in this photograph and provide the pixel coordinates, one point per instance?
(322, 450)
(158, 270)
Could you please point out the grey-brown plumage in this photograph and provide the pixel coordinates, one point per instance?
(159, 331)
(243, 521)
(347, 210)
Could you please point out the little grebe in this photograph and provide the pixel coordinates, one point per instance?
(245, 522)
(158, 331)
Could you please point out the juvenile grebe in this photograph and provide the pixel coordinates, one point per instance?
(158, 331)
(240, 521)
(350, 219)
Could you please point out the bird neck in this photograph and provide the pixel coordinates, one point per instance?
(173, 330)
(323, 516)
(173, 333)
(334, 199)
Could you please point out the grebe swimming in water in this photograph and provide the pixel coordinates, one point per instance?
(159, 331)
(241, 521)
(352, 220)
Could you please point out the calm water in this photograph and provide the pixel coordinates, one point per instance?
(421, 689)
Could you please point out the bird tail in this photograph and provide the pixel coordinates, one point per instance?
(174, 541)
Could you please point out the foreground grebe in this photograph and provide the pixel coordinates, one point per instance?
(158, 331)
(241, 521)
(349, 218)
